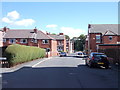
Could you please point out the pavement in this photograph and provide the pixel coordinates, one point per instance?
(26, 64)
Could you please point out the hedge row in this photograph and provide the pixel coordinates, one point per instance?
(20, 53)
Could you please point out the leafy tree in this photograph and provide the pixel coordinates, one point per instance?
(79, 43)
(53, 33)
(67, 37)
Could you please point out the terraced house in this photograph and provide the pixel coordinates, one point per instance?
(102, 36)
(30, 37)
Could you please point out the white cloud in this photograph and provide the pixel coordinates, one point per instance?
(6, 20)
(11, 19)
(72, 32)
(24, 22)
(51, 26)
(13, 15)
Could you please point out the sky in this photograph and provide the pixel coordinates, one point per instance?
(70, 18)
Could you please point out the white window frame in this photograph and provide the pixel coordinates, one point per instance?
(32, 40)
(111, 38)
(43, 42)
(98, 40)
(14, 41)
(21, 41)
(4, 40)
(35, 41)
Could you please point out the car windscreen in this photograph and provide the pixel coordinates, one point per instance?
(79, 53)
(99, 55)
(62, 52)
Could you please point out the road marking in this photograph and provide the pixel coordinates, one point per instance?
(41, 62)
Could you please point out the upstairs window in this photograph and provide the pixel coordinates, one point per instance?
(12, 41)
(110, 38)
(23, 41)
(4, 40)
(45, 41)
(35, 41)
(98, 39)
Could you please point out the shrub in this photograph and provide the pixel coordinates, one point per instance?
(20, 53)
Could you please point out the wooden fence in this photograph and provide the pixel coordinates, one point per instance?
(113, 54)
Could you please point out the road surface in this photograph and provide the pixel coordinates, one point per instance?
(60, 72)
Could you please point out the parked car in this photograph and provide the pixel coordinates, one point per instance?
(63, 54)
(81, 54)
(96, 59)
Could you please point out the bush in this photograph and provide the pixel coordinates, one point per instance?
(16, 54)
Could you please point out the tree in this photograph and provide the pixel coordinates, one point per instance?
(79, 43)
(67, 37)
(53, 33)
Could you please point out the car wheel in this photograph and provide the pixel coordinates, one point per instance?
(107, 66)
(86, 63)
(90, 65)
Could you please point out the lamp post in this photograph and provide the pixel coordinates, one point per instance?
(89, 26)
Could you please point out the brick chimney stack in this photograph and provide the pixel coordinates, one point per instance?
(61, 33)
(35, 30)
(47, 33)
(5, 29)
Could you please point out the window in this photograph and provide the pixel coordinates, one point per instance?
(110, 38)
(23, 40)
(35, 41)
(4, 40)
(12, 41)
(32, 40)
(45, 41)
(98, 39)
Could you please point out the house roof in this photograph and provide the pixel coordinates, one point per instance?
(57, 37)
(25, 33)
(111, 29)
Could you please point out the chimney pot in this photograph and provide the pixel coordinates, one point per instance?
(35, 30)
(61, 34)
(5, 29)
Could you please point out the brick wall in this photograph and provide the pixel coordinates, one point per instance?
(1, 39)
(54, 48)
(118, 38)
(93, 41)
(64, 44)
(107, 41)
(41, 45)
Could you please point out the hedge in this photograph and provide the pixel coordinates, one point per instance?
(16, 53)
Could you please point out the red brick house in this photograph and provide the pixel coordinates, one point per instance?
(61, 41)
(1, 38)
(102, 36)
(30, 37)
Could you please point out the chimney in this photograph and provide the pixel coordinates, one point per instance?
(61, 34)
(5, 29)
(89, 26)
(35, 30)
(47, 33)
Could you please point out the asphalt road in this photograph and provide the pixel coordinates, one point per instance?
(60, 72)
